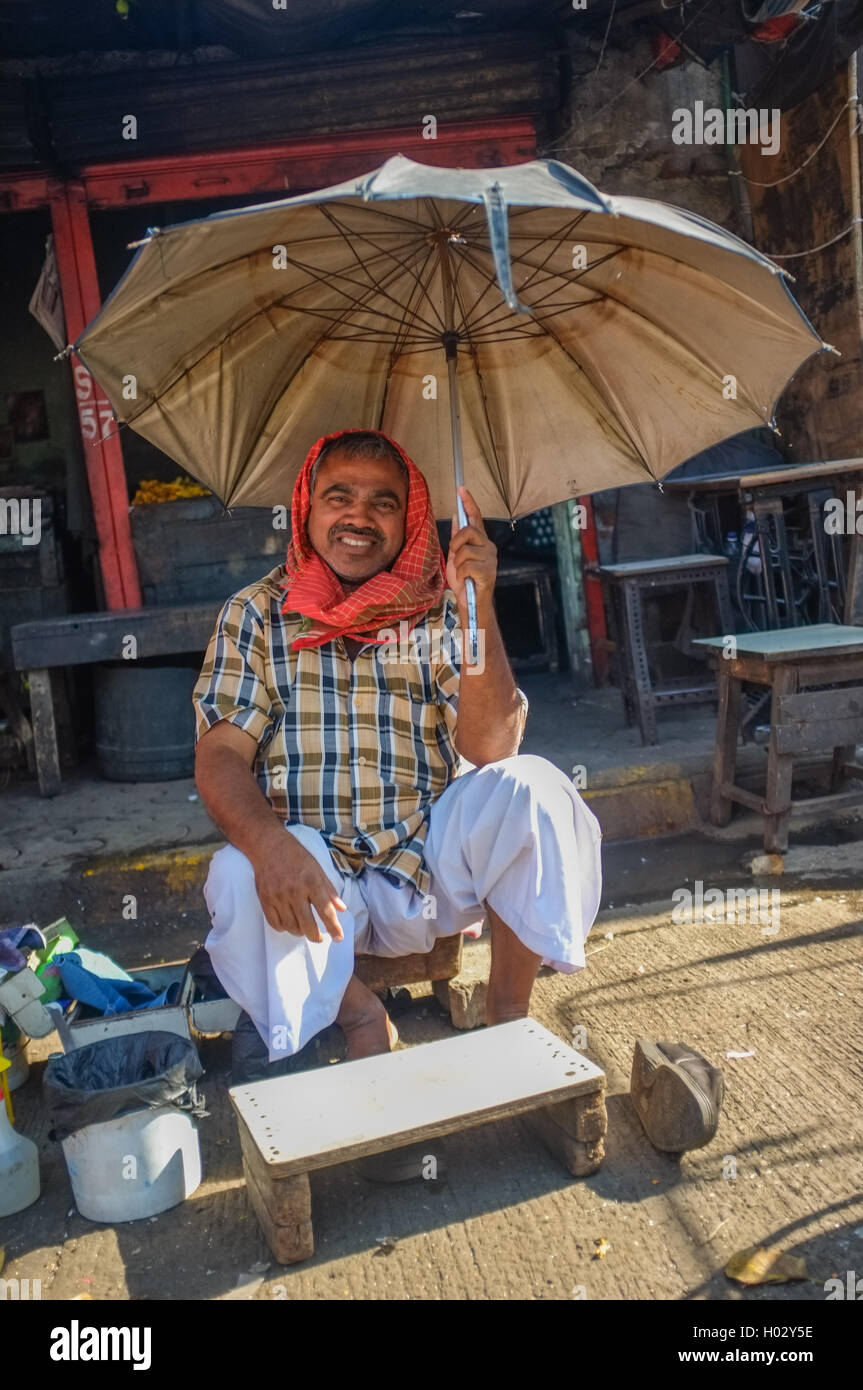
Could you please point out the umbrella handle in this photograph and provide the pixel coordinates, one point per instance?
(472, 653)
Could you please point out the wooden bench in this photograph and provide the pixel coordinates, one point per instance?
(39, 648)
(292, 1125)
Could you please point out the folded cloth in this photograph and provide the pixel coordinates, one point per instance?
(97, 981)
(14, 941)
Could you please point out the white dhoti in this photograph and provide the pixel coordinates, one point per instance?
(513, 834)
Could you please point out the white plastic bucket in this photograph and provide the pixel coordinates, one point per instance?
(134, 1166)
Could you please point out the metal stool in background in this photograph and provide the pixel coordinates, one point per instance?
(629, 584)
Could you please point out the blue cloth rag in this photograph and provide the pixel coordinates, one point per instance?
(98, 982)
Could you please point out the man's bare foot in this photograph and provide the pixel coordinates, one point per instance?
(368, 1029)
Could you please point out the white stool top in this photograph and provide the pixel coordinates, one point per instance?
(316, 1118)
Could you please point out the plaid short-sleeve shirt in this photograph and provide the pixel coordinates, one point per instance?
(356, 749)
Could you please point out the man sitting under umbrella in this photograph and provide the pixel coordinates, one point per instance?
(333, 709)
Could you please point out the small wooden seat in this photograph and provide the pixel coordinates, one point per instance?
(291, 1125)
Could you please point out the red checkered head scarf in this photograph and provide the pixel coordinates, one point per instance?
(413, 584)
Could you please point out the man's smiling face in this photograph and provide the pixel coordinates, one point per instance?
(357, 516)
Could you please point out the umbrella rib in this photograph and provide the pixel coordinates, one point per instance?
(504, 490)
(464, 213)
(364, 291)
(314, 277)
(532, 329)
(389, 255)
(560, 279)
(491, 281)
(331, 337)
(612, 415)
(559, 275)
(678, 344)
(489, 277)
(491, 334)
(406, 267)
(555, 239)
(376, 208)
(345, 239)
(421, 288)
(155, 397)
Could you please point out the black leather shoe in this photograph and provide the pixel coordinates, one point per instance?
(677, 1095)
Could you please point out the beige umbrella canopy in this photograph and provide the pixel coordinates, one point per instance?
(595, 341)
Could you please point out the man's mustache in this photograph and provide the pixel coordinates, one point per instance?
(350, 531)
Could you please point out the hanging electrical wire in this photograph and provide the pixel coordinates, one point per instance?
(795, 255)
(757, 183)
(549, 151)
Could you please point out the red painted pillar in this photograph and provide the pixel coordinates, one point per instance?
(103, 454)
(594, 605)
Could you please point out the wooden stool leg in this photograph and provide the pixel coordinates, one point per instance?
(283, 1207)
(44, 732)
(725, 753)
(780, 766)
(574, 1131)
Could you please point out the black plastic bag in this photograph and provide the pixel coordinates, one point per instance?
(139, 1071)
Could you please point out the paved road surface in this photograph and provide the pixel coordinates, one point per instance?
(509, 1224)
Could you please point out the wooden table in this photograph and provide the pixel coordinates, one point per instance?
(764, 493)
(791, 663)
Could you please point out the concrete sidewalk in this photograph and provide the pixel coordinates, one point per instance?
(85, 852)
(509, 1223)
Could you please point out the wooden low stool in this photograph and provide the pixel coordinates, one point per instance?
(442, 963)
(291, 1125)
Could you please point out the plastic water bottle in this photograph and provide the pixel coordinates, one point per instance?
(750, 530)
(731, 548)
(19, 1167)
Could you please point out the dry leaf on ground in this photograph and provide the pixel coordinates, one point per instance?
(758, 1265)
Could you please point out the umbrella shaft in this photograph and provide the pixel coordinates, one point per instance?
(455, 424)
(458, 468)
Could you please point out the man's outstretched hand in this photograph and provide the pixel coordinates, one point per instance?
(290, 882)
(471, 556)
